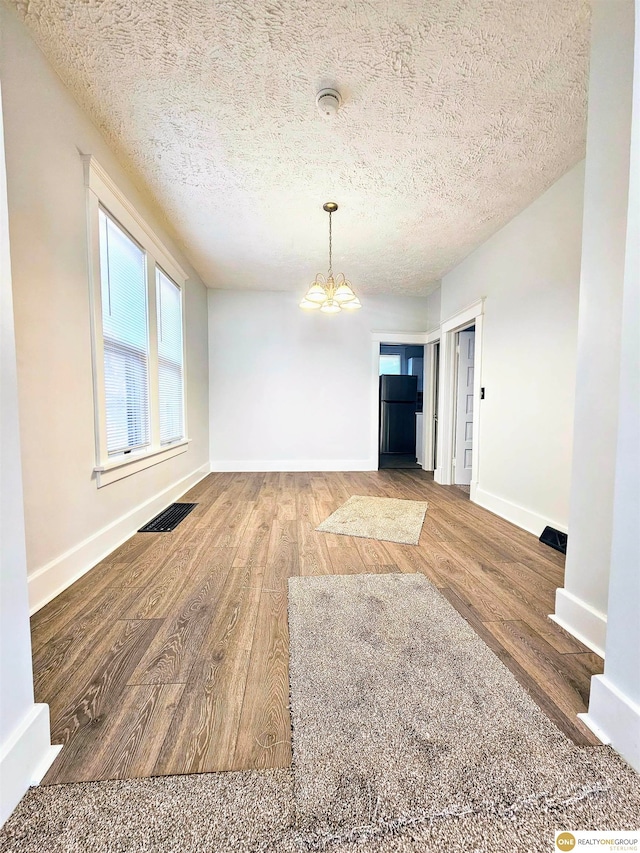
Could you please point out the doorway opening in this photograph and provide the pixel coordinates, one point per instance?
(401, 390)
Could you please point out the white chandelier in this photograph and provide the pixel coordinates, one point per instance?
(331, 295)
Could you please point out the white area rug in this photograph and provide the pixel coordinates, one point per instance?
(389, 519)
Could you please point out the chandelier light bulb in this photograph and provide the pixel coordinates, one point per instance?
(352, 305)
(330, 307)
(316, 293)
(344, 293)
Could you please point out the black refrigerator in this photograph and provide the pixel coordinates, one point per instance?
(398, 397)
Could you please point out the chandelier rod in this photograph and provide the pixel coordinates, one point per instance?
(330, 247)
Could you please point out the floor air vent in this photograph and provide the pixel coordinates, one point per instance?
(168, 519)
(554, 538)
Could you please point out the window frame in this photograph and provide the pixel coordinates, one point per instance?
(163, 359)
(101, 192)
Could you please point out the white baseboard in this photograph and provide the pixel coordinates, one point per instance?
(25, 758)
(50, 580)
(525, 518)
(602, 737)
(261, 465)
(614, 718)
(581, 620)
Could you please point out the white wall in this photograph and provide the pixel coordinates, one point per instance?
(614, 703)
(582, 605)
(291, 390)
(434, 300)
(624, 590)
(70, 524)
(529, 273)
(24, 726)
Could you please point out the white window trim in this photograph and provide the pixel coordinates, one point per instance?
(101, 191)
(118, 469)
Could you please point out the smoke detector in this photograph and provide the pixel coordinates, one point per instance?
(328, 102)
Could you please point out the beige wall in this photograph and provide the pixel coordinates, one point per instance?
(69, 522)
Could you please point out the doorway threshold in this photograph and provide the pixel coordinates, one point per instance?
(398, 460)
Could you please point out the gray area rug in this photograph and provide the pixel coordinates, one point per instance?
(388, 519)
(409, 736)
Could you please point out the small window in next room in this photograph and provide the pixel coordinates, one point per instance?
(138, 341)
(390, 364)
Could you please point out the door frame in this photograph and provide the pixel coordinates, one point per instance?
(429, 399)
(377, 338)
(444, 474)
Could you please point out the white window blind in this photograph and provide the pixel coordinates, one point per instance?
(170, 372)
(126, 341)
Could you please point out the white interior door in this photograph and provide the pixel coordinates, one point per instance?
(464, 409)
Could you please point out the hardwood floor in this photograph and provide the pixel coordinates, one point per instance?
(171, 656)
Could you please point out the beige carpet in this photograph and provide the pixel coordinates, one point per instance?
(253, 813)
(409, 736)
(389, 519)
(207, 813)
(402, 716)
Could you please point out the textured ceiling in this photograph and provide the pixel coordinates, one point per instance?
(456, 115)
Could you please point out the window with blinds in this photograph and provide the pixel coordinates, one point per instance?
(170, 372)
(137, 290)
(123, 280)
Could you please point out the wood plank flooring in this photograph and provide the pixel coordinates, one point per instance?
(171, 655)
